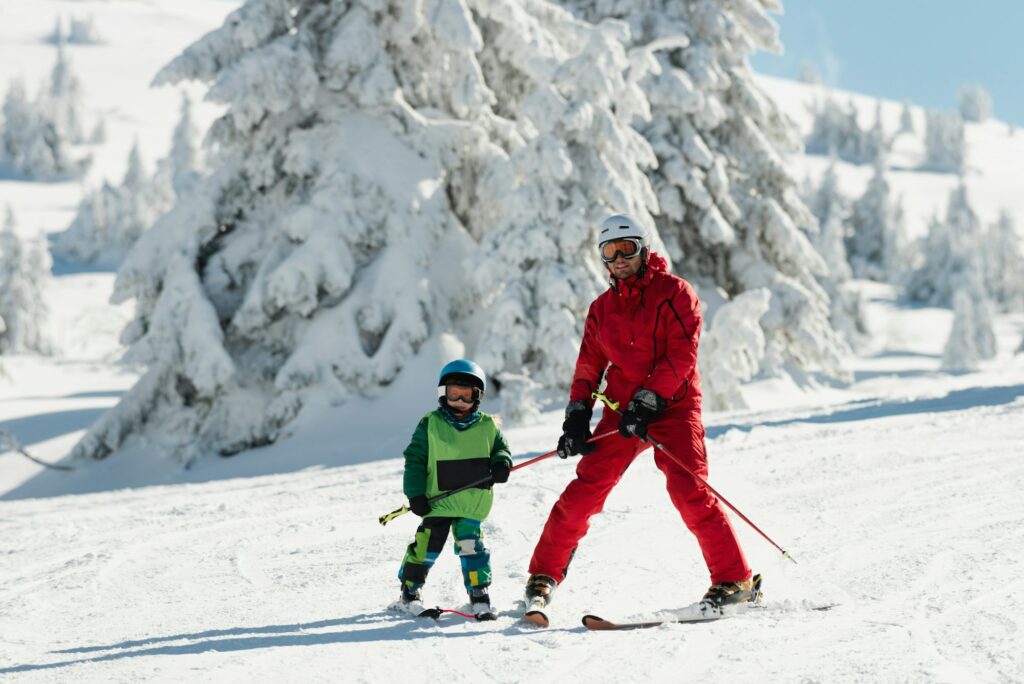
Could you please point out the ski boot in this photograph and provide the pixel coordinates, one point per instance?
(480, 604)
(730, 594)
(539, 589)
(412, 603)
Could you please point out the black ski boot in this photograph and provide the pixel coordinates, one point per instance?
(480, 604)
(732, 593)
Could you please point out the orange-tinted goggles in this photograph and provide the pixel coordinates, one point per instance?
(624, 247)
(460, 393)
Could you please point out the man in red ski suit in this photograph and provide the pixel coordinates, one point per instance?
(643, 331)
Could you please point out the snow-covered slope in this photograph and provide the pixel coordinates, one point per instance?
(900, 500)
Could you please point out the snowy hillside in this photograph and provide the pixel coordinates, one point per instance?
(900, 500)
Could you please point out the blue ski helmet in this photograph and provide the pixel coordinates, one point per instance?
(466, 371)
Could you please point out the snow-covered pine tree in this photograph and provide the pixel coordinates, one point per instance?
(361, 153)
(178, 173)
(961, 352)
(874, 240)
(110, 220)
(951, 250)
(24, 276)
(82, 31)
(945, 147)
(732, 349)
(906, 119)
(37, 135)
(537, 268)
(975, 103)
(730, 213)
(836, 132)
(1004, 264)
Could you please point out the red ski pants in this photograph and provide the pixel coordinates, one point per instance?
(599, 471)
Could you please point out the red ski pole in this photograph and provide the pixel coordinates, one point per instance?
(388, 517)
(614, 406)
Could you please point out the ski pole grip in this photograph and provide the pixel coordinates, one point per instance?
(388, 517)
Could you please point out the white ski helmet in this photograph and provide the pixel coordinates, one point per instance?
(621, 226)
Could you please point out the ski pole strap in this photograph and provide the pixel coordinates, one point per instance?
(613, 405)
(388, 517)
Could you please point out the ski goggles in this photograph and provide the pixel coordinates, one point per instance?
(461, 393)
(628, 248)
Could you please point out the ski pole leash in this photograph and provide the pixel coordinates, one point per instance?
(388, 517)
(614, 406)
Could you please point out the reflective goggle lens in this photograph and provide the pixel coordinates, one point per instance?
(613, 249)
(467, 395)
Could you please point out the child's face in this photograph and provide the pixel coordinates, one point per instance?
(459, 398)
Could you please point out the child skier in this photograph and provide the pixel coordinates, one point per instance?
(453, 446)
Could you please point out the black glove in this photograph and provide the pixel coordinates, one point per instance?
(419, 505)
(500, 472)
(575, 430)
(644, 407)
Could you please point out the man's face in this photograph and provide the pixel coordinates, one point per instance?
(623, 268)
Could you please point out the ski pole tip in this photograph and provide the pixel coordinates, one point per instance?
(785, 554)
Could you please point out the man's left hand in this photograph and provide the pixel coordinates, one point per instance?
(644, 407)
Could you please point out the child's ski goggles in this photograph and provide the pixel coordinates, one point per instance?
(461, 393)
(628, 248)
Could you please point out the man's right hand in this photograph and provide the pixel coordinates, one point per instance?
(575, 430)
(419, 505)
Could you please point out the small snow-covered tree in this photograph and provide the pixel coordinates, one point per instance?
(24, 276)
(179, 171)
(873, 243)
(82, 31)
(952, 256)
(732, 349)
(730, 214)
(1004, 264)
(961, 352)
(810, 74)
(111, 219)
(944, 143)
(975, 103)
(836, 132)
(37, 135)
(906, 119)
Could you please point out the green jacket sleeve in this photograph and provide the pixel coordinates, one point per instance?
(500, 450)
(414, 482)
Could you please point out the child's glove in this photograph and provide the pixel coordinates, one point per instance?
(419, 505)
(500, 472)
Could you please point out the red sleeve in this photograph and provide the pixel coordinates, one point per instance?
(591, 363)
(681, 317)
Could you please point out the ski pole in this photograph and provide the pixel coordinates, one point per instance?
(388, 517)
(614, 406)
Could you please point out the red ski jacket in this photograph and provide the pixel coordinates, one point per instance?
(644, 331)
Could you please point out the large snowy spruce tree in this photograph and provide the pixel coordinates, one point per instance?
(729, 211)
(365, 149)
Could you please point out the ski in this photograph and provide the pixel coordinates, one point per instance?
(707, 613)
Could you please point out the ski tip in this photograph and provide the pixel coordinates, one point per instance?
(596, 623)
(432, 613)
(486, 617)
(536, 618)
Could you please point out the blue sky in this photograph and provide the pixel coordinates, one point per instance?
(898, 49)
